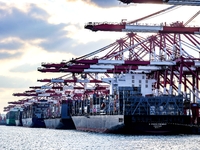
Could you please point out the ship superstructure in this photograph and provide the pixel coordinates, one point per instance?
(12, 116)
(34, 113)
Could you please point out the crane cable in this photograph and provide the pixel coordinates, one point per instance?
(195, 15)
(155, 14)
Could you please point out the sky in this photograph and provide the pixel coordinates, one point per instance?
(36, 31)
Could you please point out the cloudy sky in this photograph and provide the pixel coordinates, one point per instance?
(35, 31)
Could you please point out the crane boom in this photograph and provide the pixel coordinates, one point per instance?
(162, 28)
(170, 2)
(133, 26)
(153, 14)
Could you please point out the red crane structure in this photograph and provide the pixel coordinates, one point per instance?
(135, 26)
(9, 107)
(167, 49)
(58, 88)
(170, 57)
(177, 27)
(170, 2)
(163, 56)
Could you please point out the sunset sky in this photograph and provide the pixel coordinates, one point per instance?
(36, 31)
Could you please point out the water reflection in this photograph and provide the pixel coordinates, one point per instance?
(21, 138)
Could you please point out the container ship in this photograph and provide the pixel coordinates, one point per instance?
(45, 112)
(133, 108)
(12, 115)
(34, 113)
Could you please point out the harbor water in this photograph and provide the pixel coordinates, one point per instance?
(22, 138)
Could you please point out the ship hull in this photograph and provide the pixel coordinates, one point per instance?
(18, 122)
(125, 125)
(99, 123)
(59, 123)
(10, 122)
(160, 129)
(3, 122)
(33, 122)
(160, 124)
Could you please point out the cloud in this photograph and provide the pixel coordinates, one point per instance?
(6, 55)
(105, 3)
(59, 43)
(83, 49)
(13, 82)
(101, 3)
(25, 68)
(32, 25)
(28, 26)
(10, 45)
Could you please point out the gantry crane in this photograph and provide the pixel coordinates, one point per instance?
(164, 56)
(177, 58)
(58, 88)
